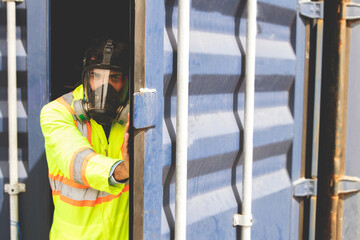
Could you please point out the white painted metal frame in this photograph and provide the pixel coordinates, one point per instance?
(249, 116)
(182, 119)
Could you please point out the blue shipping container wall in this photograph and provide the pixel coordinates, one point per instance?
(216, 117)
(32, 93)
(216, 114)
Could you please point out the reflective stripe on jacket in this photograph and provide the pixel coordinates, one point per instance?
(79, 159)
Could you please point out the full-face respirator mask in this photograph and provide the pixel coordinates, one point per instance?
(105, 84)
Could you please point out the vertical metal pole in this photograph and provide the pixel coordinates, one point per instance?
(249, 115)
(12, 108)
(316, 123)
(182, 119)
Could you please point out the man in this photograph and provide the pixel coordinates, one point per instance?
(86, 142)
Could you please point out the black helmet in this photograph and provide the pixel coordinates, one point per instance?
(105, 52)
(105, 79)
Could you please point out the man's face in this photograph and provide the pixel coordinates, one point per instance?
(99, 77)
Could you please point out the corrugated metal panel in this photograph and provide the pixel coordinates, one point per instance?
(31, 35)
(351, 217)
(216, 105)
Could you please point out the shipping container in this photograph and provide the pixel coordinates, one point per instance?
(305, 168)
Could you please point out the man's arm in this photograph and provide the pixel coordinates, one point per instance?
(68, 151)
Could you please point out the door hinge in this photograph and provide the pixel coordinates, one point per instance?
(305, 187)
(145, 108)
(312, 9)
(352, 11)
(346, 184)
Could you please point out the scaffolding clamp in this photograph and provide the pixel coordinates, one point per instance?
(242, 220)
(15, 188)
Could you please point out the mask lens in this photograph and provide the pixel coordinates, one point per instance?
(103, 89)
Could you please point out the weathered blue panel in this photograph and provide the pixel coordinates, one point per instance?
(32, 94)
(153, 152)
(144, 114)
(216, 114)
(351, 217)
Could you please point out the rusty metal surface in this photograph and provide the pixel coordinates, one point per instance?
(332, 121)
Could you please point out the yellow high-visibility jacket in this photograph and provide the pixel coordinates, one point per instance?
(80, 159)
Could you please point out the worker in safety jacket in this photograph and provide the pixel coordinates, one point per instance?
(86, 142)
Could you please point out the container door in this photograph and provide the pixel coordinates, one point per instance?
(216, 116)
(32, 94)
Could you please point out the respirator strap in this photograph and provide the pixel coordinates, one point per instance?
(108, 51)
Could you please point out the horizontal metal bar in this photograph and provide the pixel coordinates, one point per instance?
(311, 9)
(305, 187)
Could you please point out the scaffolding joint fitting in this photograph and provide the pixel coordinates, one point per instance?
(242, 220)
(15, 188)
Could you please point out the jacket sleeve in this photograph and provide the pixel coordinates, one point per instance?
(70, 152)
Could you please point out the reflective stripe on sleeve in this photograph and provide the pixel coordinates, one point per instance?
(72, 161)
(79, 167)
(80, 196)
(83, 167)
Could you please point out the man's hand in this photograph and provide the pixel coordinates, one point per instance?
(122, 170)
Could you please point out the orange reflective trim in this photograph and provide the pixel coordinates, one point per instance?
(71, 167)
(67, 181)
(88, 130)
(84, 165)
(89, 203)
(63, 102)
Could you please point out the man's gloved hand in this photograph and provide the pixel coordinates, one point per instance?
(122, 170)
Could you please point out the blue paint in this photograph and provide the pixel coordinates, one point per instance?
(216, 105)
(145, 104)
(32, 94)
(216, 109)
(153, 152)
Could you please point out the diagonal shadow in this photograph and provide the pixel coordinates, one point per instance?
(168, 90)
(238, 14)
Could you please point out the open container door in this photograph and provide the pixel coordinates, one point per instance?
(216, 108)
